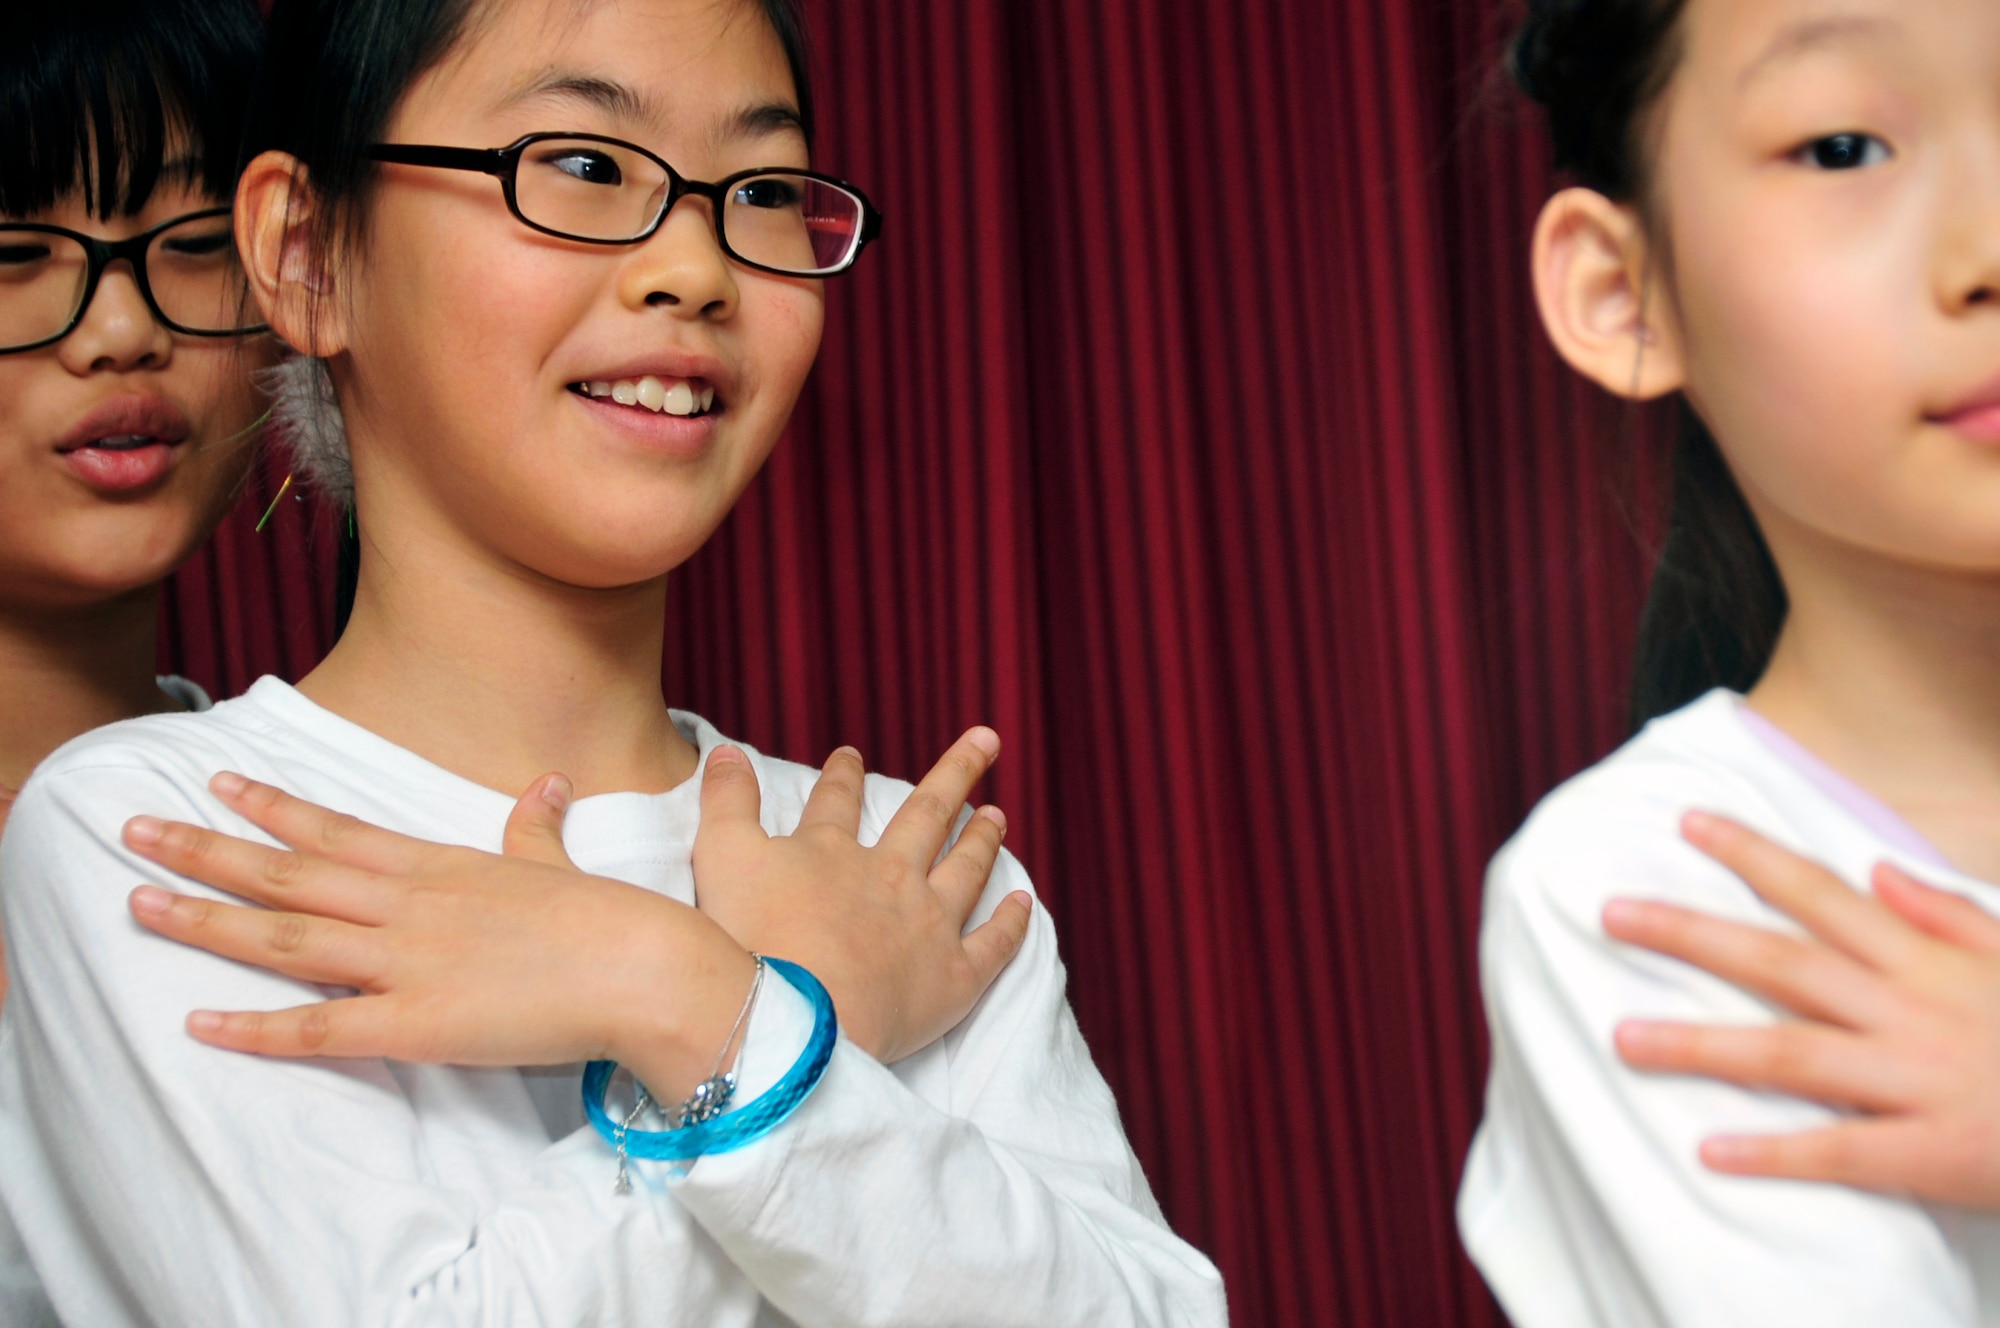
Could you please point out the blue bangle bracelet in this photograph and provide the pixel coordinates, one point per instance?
(738, 1128)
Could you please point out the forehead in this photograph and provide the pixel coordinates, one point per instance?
(651, 67)
(1737, 44)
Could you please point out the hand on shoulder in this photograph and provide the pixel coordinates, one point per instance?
(884, 927)
(1896, 998)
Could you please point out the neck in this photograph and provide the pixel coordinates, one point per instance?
(65, 673)
(1891, 674)
(500, 675)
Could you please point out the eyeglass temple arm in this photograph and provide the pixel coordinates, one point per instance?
(487, 161)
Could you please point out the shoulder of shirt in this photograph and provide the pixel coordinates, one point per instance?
(1615, 828)
(176, 745)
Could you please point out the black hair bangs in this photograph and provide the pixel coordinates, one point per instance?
(104, 100)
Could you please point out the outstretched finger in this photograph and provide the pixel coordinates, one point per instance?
(836, 797)
(961, 878)
(992, 945)
(311, 828)
(1804, 1060)
(1846, 919)
(310, 949)
(921, 825)
(1805, 978)
(730, 798)
(1951, 918)
(535, 826)
(279, 878)
(1900, 1156)
(353, 1026)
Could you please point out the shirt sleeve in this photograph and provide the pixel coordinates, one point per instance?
(1586, 1202)
(1021, 1205)
(158, 1181)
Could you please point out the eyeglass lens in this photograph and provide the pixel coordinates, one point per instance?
(193, 270)
(602, 191)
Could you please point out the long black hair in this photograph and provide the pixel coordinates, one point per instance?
(1717, 604)
(103, 100)
(333, 75)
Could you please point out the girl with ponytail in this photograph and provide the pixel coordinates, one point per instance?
(1786, 214)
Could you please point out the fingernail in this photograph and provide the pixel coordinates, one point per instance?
(1621, 913)
(204, 1021)
(854, 752)
(725, 756)
(557, 792)
(1634, 1036)
(1699, 825)
(986, 740)
(144, 830)
(228, 785)
(1728, 1151)
(151, 899)
(998, 817)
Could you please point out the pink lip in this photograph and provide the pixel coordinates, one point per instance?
(151, 417)
(125, 470)
(684, 436)
(1977, 415)
(668, 367)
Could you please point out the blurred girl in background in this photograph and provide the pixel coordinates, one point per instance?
(1787, 216)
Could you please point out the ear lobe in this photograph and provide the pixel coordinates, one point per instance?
(1599, 302)
(274, 233)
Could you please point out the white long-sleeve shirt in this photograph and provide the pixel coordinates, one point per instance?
(983, 1181)
(1584, 1202)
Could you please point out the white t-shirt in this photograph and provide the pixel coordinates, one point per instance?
(985, 1180)
(1584, 1202)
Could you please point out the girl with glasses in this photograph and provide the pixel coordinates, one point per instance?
(127, 414)
(1787, 214)
(555, 273)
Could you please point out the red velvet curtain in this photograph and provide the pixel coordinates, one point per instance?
(1190, 425)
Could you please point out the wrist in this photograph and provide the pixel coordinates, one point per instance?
(690, 983)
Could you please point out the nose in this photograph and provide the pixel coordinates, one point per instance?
(682, 267)
(1968, 266)
(118, 332)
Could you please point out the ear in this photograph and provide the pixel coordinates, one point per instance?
(1594, 283)
(274, 232)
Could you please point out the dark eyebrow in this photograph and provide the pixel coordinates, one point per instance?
(1804, 38)
(614, 98)
(774, 117)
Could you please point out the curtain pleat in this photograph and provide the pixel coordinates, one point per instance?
(1191, 425)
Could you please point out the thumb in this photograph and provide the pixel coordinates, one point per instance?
(535, 826)
(730, 798)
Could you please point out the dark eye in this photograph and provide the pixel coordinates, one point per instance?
(199, 246)
(1845, 152)
(16, 254)
(587, 166)
(767, 192)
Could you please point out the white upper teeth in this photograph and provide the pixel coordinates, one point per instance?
(681, 398)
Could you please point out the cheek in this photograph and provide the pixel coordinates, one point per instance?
(782, 337)
(1799, 357)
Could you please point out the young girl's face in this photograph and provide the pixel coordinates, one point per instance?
(471, 340)
(1828, 186)
(121, 444)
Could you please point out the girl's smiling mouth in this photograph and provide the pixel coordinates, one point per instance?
(680, 397)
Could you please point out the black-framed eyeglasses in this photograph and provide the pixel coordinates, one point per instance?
(186, 268)
(602, 190)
